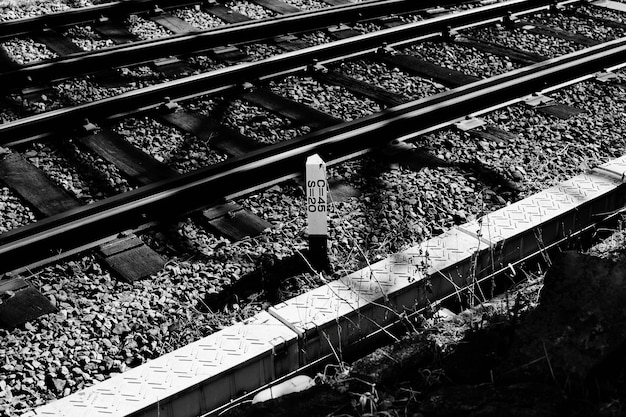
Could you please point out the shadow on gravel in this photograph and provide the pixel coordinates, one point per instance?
(266, 279)
(418, 158)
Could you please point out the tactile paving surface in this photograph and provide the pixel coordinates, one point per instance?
(350, 308)
(406, 281)
(326, 318)
(172, 374)
(609, 4)
(404, 269)
(545, 216)
(541, 207)
(616, 166)
(318, 307)
(444, 251)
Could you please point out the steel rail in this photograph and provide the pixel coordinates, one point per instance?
(83, 63)
(65, 120)
(163, 200)
(119, 9)
(116, 9)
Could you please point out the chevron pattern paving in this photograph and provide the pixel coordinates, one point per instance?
(542, 207)
(616, 166)
(171, 374)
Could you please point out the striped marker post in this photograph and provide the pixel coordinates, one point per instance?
(317, 211)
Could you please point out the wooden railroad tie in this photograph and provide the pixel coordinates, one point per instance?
(20, 302)
(48, 199)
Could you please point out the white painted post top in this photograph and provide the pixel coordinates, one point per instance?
(316, 196)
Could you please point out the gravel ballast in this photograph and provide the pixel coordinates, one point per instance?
(104, 326)
(50, 159)
(182, 152)
(86, 38)
(83, 90)
(146, 29)
(466, 60)
(520, 39)
(113, 324)
(104, 178)
(7, 115)
(198, 18)
(252, 10)
(581, 26)
(391, 79)
(603, 13)
(14, 213)
(15, 9)
(333, 100)
(260, 51)
(250, 120)
(25, 51)
(308, 4)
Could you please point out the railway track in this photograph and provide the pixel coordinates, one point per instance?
(221, 80)
(161, 193)
(266, 166)
(188, 40)
(23, 130)
(67, 121)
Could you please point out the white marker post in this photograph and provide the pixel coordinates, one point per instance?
(317, 211)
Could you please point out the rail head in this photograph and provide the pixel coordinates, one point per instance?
(67, 120)
(185, 192)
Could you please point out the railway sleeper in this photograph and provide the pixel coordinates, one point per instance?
(229, 54)
(277, 6)
(64, 46)
(225, 13)
(171, 66)
(130, 262)
(297, 112)
(414, 65)
(6, 63)
(173, 23)
(547, 105)
(233, 221)
(229, 219)
(130, 258)
(21, 302)
(342, 31)
(556, 33)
